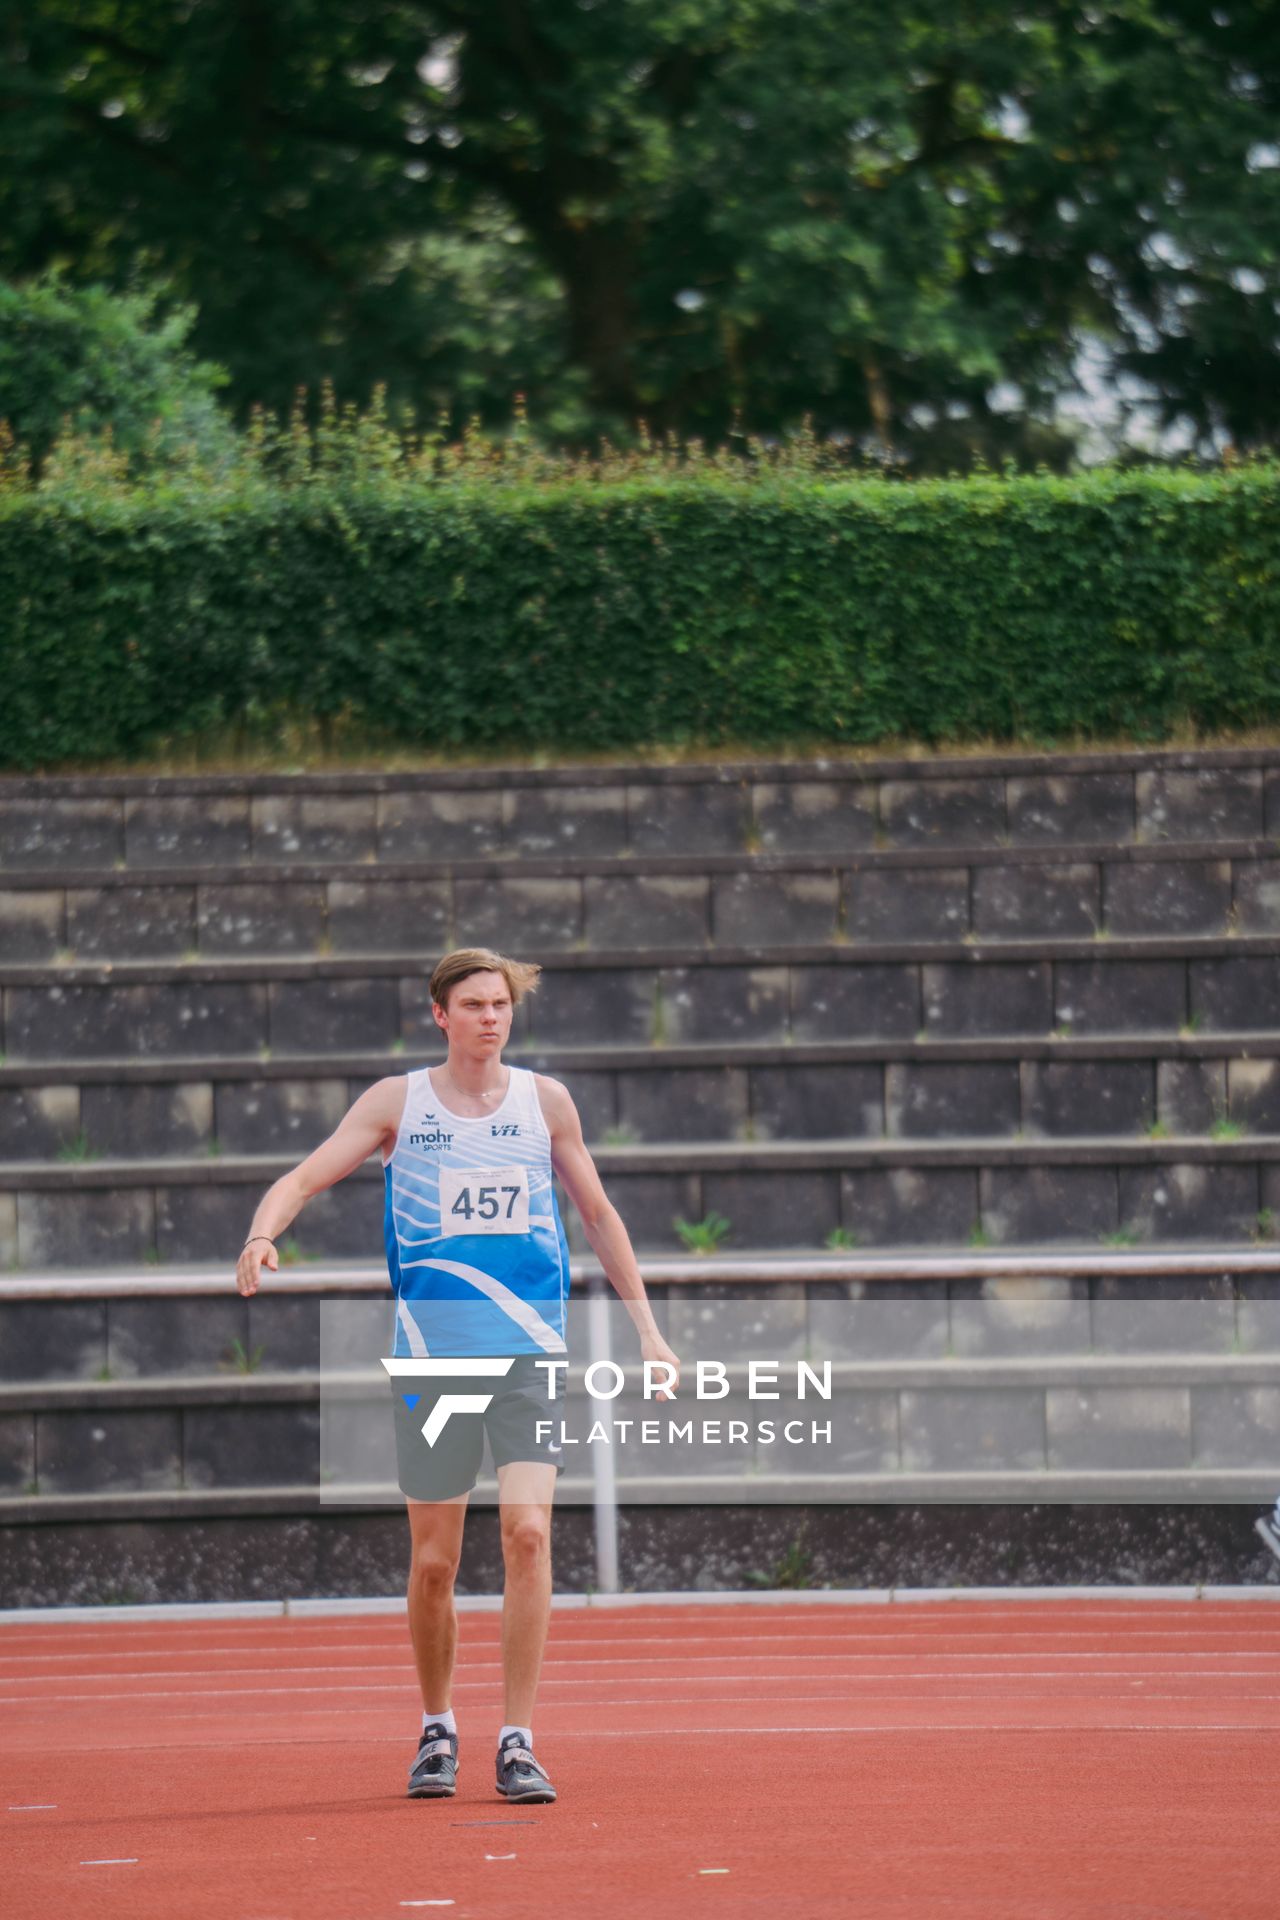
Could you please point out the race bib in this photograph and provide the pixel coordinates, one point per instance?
(484, 1200)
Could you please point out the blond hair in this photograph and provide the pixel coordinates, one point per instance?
(521, 976)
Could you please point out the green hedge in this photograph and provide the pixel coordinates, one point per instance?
(785, 609)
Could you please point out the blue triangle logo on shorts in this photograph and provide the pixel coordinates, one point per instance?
(411, 1400)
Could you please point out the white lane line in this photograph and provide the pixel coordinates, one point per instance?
(1092, 1661)
(37, 1806)
(408, 1684)
(277, 1652)
(659, 1698)
(932, 1730)
(670, 1660)
(815, 1699)
(385, 1709)
(237, 1742)
(130, 1861)
(854, 1676)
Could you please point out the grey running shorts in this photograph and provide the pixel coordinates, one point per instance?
(520, 1401)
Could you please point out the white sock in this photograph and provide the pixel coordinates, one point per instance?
(526, 1734)
(445, 1720)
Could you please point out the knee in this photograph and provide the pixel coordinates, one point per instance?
(432, 1573)
(526, 1542)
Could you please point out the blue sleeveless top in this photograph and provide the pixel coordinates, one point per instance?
(475, 1246)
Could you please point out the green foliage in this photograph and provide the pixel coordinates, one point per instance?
(469, 598)
(109, 365)
(794, 1568)
(702, 1236)
(841, 1240)
(242, 1359)
(672, 211)
(77, 1150)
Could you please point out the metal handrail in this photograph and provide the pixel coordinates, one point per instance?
(666, 1270)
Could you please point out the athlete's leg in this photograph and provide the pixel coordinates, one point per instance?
(525, 1490)
(436, 1530)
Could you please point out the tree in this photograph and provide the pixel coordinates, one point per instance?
(103, 361)
(903, 220)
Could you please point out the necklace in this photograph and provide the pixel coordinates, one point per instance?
(486, 1093)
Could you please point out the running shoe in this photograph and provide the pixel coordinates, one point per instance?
(519, 1775)
(1268, 1530)
(434, 1773)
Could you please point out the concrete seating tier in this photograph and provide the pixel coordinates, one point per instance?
(671, 996)
(1153, 1086)
(792, 807)
(1159, 1428)
(1016, 1002)
(977, 1379)
(1101, 1305)
(725, 901)
(788, 1196)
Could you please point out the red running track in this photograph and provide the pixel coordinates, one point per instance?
(1028, 1760)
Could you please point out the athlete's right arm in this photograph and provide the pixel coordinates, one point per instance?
(370, 1123)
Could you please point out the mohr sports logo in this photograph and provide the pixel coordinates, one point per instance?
(447, 1404)
(436, 1138)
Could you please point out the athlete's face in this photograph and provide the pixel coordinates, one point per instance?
(478, 1018)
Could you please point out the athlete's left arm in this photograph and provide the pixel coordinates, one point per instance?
(601, 1221)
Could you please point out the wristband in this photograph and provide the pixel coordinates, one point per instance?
(258, 1236)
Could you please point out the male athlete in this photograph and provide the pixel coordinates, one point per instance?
(479, 1264)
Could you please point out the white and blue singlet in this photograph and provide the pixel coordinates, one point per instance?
(475, 1245)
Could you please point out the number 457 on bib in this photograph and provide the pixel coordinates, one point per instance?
(484, 1200)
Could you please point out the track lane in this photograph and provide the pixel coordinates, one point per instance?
(1081, 1765)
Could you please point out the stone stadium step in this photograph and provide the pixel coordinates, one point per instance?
(1069, 1087)
(945, 1425)
(576, 901)
(797, 1195)
(143, 821)
(1107, 1415)
(134, 1323)
(673, 996)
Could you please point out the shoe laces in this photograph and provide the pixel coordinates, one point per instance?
(517, 1755)
(434, 1748)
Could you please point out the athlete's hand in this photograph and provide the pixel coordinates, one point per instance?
(654, 1347)
(258, 1254)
